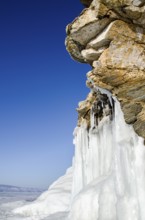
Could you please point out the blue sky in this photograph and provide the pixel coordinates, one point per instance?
(40, 86)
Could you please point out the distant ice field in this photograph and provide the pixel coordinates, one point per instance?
(12, 200)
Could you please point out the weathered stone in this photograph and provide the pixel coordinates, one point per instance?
(74, 48)
(138, 3)
(131, 110)
(128, 9)
(112, 31)
(89, 24)
(110, 35)
(89, 31)
(88, 16)
(130, 90)
(124, 54)
(90, 54)
(84, 108)
(139, 125)
(133, 12)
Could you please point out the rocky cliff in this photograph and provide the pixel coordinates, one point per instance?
(110, 36)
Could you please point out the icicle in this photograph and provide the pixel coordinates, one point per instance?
(108, 171)
(103, 91)
(113, 168)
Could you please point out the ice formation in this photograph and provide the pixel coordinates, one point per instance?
(108, 172)
(55, 200)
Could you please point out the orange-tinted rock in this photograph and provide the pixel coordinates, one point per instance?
(110, 35)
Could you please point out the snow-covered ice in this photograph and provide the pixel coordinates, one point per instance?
(109, 172)
(106, 181)
(11, 200)
(55, 200)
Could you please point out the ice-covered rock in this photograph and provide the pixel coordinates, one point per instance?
(107, 180)
(110, 35)
(109, 171)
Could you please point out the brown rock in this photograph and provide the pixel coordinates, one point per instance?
(131, 110)
(139, 125)
(110, 35)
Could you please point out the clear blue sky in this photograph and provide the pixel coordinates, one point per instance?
(40, 86)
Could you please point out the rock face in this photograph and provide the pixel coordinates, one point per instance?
(86, 2)
(110, 36)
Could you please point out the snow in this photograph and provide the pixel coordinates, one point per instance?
(110, 181)
(107, 180)
(11, 200)
(55, 200)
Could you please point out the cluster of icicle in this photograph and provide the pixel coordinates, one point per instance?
(108, 174)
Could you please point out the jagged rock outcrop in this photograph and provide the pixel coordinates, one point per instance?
(110, 36)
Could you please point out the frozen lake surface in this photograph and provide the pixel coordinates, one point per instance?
(12, 200)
